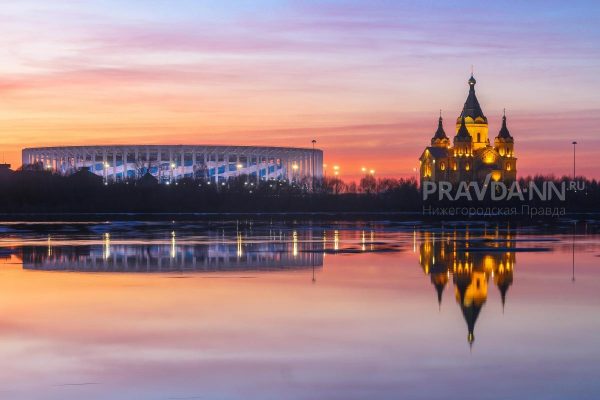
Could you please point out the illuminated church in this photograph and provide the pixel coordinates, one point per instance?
(470, 157)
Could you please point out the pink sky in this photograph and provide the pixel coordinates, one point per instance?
(366, 80)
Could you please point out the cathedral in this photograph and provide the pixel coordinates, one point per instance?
(471, 156)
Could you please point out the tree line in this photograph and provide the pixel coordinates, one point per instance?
(35, 190)
(41, 191)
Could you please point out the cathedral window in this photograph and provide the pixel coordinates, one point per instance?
(489, 157)
(508, 167)
(427, 170)
(467, 167)
(443, 166)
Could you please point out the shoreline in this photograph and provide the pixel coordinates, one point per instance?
(396, 216)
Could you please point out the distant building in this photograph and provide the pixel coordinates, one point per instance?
(169, 163)
(470, 157)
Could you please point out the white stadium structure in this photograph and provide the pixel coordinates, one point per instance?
(172, 162)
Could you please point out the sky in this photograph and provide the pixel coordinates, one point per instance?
(366, 79)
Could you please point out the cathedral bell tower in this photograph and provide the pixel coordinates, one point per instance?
(440, 139)
(504, 144)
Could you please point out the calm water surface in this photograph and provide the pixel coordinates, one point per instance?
(316, 311)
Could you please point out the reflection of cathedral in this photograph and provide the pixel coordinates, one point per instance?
(471, 157)
(470, 263)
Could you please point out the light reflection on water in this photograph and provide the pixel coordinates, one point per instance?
(299, 312)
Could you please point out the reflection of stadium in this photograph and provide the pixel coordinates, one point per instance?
(172, 162)
(234, 255)
(444, 255)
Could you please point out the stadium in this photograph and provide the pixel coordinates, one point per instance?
(169, 163)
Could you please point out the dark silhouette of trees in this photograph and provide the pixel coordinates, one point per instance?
(368, 184)
(34, 189)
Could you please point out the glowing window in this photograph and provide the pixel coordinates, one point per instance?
(508, 167)
(443, 166)
(467, 167)
(427, 170)
(489, 158)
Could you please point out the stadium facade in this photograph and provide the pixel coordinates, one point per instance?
(170, 163)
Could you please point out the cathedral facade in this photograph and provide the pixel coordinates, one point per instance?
(470, 157)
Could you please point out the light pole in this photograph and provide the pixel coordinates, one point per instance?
(574, 144)
(312, 167)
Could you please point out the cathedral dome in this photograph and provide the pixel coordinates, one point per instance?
(472, 110)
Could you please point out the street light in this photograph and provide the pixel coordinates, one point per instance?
(574, 144)
(313, 165)
(372, 172)
(363, 169)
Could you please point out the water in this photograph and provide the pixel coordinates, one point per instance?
(283, 311)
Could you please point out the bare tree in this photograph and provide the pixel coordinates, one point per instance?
(368, 184)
